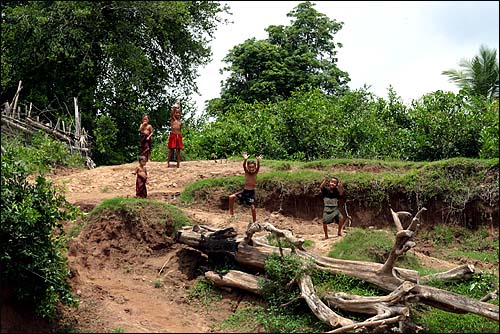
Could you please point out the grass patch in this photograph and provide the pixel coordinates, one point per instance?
(458, 243)
(204, 292)
(257, 319)
(363, 245)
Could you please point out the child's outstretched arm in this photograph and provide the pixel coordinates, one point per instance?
(245, 158)
(259, 158)
(322, 185)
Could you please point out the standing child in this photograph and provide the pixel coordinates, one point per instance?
(145, 132)
(247, 195)
(142, 178)
(175, 138)
(331, 196)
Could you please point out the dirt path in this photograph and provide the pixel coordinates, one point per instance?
(136, 297)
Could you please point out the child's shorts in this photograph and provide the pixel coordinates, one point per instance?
(331, 215)
(247, 196)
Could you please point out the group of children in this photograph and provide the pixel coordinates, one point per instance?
(174, 145)
(330, 194)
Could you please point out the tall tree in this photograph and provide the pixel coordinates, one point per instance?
(299, 56)
(115, 56)
(479, 74)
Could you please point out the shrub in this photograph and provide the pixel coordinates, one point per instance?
(33, 258)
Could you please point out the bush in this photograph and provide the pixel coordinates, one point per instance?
(41, 153)
(33, 257)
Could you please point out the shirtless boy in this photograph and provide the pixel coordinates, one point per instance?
(247, 195)
(175, 138)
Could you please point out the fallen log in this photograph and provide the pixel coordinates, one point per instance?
(253, 253)
(236, 279)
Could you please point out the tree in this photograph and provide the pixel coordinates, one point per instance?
(479, 75)
(299, 56)
(115, 56)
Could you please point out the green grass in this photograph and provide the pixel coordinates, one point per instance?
(363, 245)
(256, 319)
(458, 243)
(204, 292)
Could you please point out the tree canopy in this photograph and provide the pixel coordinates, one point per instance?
(299, 56)
(120, 58)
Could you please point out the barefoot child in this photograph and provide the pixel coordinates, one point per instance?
(142, 177)
(331, 196)
(175, 138)
(247, 195)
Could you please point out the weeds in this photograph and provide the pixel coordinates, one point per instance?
(204, 292)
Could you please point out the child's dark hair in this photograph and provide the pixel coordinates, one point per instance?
(142, 158)
(251, 162)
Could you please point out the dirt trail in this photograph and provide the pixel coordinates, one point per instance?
(136, 297)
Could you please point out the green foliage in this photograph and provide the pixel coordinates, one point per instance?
(105, 134)
(41, 153)
(311, 125)
(204, 292)
(301, 56)
(490, 133)
(280, 271)
(117, 57)
(33, 258)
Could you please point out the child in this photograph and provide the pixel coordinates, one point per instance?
(247, 195)
(175, 138)
(331, 196)
(142, 177)
(145, 132)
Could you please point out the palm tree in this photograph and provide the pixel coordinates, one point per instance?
(479, 75)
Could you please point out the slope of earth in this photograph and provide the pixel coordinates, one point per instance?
(125, 284)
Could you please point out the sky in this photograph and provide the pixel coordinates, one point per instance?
(403, 44)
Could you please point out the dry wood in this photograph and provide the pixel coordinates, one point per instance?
(236, 279)
(403, 242)
(382, 307)
(320, 310)
(255, 257)
(491, 295)
(254, 227)
(462, 272)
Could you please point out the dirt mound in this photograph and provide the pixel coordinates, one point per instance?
(114, 238)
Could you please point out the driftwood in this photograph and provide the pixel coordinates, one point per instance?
(462, 272)
(403, 285)
(266, 226)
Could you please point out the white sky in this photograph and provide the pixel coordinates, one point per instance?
(406, 44)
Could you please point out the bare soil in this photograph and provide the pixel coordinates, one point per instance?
(132, 281)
